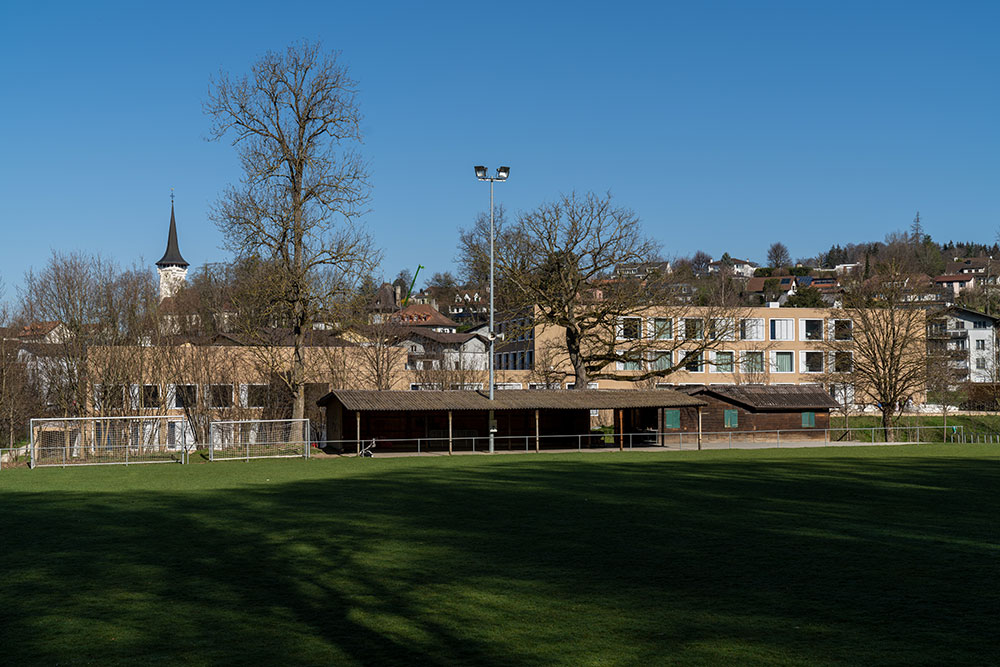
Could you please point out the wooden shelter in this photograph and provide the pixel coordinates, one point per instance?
(535, 419)
(804, 409)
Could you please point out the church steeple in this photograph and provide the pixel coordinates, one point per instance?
(171, 267)
(172, 257)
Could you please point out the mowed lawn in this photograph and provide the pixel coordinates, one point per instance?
(852, 555)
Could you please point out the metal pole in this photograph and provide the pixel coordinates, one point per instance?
(492, 331)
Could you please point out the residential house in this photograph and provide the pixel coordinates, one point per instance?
(739, 268)
(970, 339)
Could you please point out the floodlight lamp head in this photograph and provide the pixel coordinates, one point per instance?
(480, 172)
(502, 173)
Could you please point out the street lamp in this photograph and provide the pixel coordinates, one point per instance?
(482, 174)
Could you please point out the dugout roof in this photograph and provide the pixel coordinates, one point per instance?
(513, 399)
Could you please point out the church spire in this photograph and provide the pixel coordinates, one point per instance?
(172, 257)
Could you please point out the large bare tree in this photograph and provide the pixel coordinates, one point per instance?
(295, 123)
(883, 329)
(561, 265)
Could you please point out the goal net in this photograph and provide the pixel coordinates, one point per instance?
(109, 440)
(258, 439)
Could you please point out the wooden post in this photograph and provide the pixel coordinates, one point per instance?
(659, 426)
(358, 420)
(621, 430)
(537, 444)
(699, 427)
(449, 433)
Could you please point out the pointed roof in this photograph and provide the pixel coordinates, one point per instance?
(172, 257)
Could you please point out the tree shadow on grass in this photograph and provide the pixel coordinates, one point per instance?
(518, 562)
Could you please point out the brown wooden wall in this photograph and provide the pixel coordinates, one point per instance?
(713, 420)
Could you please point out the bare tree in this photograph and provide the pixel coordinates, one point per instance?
(778, 255)
(18, 398)
(700, 261)
(887, 340)
(93, 304)
(295, 122)
(558, 264)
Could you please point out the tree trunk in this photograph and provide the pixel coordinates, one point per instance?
(886, 424)
(573, 344)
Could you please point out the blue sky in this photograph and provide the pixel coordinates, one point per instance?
(725, 125)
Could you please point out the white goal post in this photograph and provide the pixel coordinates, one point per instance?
(61, 441)
(242, 440)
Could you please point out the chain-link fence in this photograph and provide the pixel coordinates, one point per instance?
(109, 440)
(258, 439)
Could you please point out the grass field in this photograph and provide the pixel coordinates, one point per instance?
(860, 555)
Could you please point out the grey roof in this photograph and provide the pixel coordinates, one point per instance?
(445, 338)
(172, 257)
(514, 399)
(769, 397)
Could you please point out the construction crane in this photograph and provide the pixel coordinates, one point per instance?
(413, 282)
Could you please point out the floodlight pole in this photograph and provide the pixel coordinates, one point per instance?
(501, 175)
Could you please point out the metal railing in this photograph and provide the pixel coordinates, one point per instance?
(674, 439)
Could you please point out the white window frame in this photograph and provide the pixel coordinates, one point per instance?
(772, 329)
(805, 367)
(727, 325)
(774, 361)
(832, 365)
(655, 355)
(654, 330)
(802, 329)
(745, 354)
(833, 328)
(700, 356)
(621, 365)
(757, 324)
(714, 368)
(621, 327)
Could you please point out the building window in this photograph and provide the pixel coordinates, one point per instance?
(752, 329)
(660, 360)
(980, 364)
(694, 328)
(843, 330)
(150, 396)
(543, 385)
(671, 419)
(812, 329)
(843, 362)
(257, 395)
(753, 362)
(185, 396)
(814, 362)
(980, 344)
(720, 328)
(980, 324)
(693, 363)
(784, 362)
(808, 419)
(782, 329)
(732, 418)
(723, 362)
(959, 324)
(629, 361)
(663, 328)
(506, 385)
(221, 395)
(631, 328)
